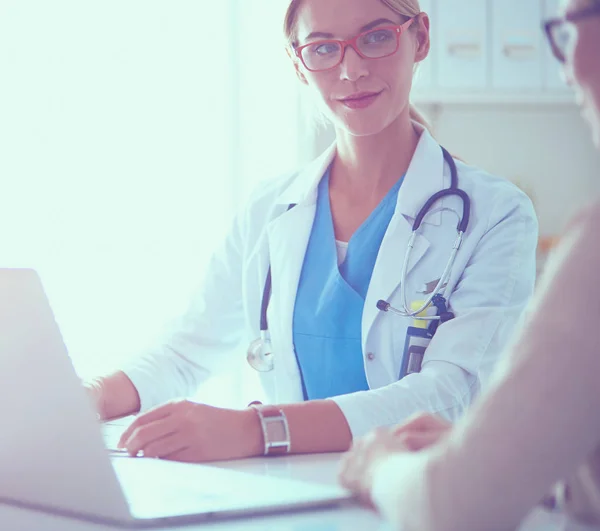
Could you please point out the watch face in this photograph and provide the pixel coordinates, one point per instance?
(276, 431)
(259, 355)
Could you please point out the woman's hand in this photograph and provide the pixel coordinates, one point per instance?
(192, 432)
(113, 396)
(359, 464)
(94, 391)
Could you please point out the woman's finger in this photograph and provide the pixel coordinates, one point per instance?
(153, 415)
(149, 433)
(165, 447)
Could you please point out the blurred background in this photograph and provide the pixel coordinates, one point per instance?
(131, 131)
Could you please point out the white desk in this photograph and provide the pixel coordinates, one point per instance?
(317, 468)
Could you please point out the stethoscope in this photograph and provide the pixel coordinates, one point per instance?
(260, 355)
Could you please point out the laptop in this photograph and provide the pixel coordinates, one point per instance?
(53, 456)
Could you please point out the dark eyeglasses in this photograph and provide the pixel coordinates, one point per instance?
(560, 31)
(323, 55)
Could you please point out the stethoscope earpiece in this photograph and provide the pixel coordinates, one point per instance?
(383, 306)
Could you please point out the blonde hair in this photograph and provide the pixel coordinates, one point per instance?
(404, 8)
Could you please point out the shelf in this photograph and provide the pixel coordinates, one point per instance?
(493, 98)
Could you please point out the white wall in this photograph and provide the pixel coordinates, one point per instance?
(271, 138)
(129, 134)
(114, 125)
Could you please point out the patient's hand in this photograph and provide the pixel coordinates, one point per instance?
(360, 462)
(422, 431)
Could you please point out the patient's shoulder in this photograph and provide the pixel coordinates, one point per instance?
(577, 256)
(586, 218)
(583, 231)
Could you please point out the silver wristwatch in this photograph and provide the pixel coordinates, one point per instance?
(276, 432)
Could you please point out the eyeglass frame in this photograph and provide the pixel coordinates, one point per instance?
(572, 18)
(353, 43)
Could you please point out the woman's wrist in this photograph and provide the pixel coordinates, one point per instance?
(113, 396)
(275, 429)
(252, 432)
(94, 390)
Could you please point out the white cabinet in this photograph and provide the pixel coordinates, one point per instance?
(424, 78)
(551, 77)
(490, 51)
(516, 58)
(462, 44)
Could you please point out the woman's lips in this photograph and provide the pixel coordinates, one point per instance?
(360, 100)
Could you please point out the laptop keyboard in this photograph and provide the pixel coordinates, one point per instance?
(112, 431)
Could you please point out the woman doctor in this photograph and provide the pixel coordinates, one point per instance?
(332, 256)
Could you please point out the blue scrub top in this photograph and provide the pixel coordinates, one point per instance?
(330, 299)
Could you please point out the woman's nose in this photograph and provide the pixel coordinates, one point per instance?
(353, 66)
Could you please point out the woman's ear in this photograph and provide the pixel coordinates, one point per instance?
(297, 67)
(422, 35)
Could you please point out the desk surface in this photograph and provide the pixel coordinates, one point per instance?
(316, 468)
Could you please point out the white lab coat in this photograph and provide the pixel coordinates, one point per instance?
(492, 280)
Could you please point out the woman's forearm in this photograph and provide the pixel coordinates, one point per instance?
(317, 426)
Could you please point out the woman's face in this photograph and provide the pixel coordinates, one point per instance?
(582, 68)
(383, 83)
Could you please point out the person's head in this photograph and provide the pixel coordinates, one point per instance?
(383, 69)
(576, 43)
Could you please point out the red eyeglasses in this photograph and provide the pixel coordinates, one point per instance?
(373, 44)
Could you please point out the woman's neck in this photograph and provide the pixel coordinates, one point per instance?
(368, 166)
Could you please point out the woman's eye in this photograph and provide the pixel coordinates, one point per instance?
(378, 36)
(327, 48)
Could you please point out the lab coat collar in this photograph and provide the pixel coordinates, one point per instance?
(303, 189)
(425, 177)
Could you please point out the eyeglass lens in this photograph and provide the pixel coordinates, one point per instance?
(327, 54)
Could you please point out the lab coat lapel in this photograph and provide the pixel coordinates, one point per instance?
(288, 236)
(388, 267)
(288, 239)
(424, 177)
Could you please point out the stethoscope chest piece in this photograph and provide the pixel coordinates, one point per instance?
(260, 356)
